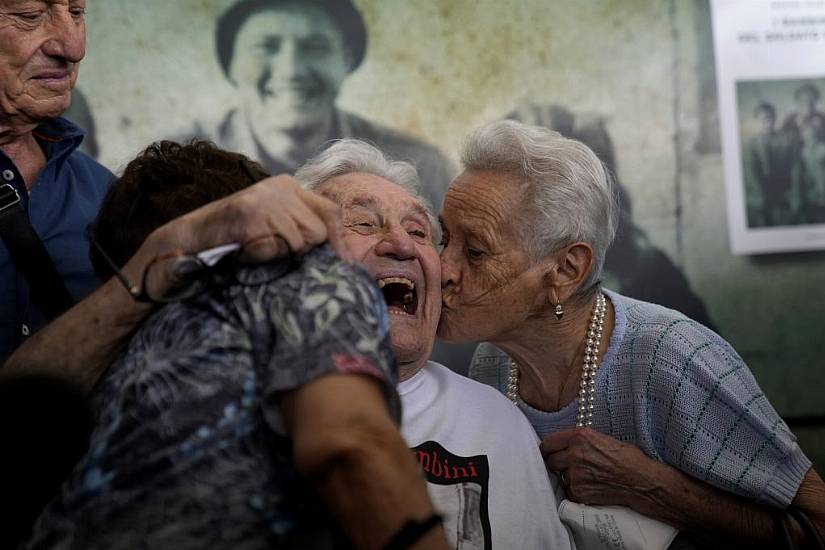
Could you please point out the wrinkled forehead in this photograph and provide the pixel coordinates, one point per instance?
(488, 204)
(491, 194)
(365, 190)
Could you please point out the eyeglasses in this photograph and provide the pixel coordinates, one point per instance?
(181, 276)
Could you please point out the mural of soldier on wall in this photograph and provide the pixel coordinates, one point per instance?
(287, 60)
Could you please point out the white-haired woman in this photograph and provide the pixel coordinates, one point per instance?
(636, 404)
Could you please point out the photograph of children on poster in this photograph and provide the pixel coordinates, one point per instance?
(770, 77)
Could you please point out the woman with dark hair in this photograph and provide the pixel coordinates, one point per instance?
(255, 408)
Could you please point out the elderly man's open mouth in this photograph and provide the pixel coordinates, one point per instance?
(400, 293)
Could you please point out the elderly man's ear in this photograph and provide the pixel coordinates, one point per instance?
(566, 270)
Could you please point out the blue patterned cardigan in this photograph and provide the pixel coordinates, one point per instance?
(682, 394)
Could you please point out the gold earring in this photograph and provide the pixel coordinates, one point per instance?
(559, 311)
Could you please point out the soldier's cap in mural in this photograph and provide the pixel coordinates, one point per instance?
(342, 12)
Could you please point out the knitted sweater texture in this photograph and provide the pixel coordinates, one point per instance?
(681, 394)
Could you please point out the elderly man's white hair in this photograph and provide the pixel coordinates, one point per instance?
(346, 156)
(570, 195)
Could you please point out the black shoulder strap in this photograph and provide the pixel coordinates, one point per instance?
(47, 290)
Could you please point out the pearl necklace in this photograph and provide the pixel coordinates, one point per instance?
(587, 386)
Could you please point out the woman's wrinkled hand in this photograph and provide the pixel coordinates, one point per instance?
(601, 470)
(271, 219)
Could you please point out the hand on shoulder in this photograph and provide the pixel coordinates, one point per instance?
(271, 219)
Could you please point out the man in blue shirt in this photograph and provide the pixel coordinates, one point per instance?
(60, 189)
(60, 203)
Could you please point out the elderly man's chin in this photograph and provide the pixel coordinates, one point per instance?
(410, 343)
(39, 106)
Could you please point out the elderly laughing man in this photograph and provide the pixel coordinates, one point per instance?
(477, 453)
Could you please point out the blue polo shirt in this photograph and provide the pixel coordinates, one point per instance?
(63, 201)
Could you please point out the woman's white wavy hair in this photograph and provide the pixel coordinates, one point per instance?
(570, 196)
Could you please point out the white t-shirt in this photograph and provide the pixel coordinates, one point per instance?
(482, 463)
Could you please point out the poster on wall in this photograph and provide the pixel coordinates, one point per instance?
(771, 80)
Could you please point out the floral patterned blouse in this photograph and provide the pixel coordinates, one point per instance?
(189, 449)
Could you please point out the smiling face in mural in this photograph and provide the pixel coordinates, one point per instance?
(289, 63)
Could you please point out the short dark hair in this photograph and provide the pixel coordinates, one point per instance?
(342, 12)
(765, 107)
(807, 87)
(165, 181)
